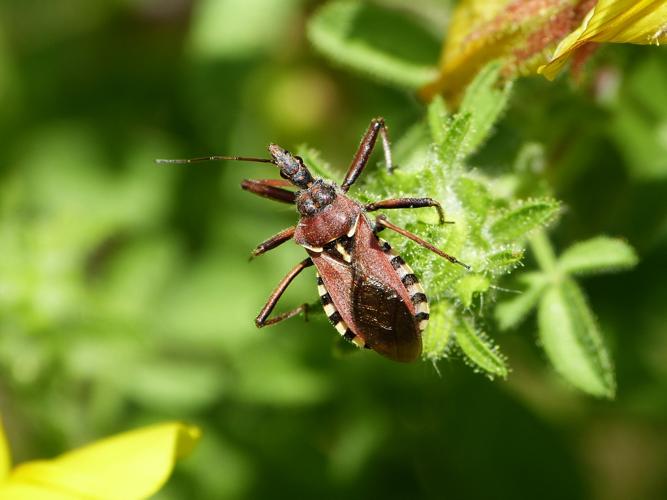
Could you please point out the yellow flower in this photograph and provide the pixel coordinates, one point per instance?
(128, 466)
(532, 36)
(616, 21)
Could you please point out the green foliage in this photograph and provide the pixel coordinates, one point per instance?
(379, 42)
(489, 228)
(485, 100)
(597, 255)
(479, 350)
(567, 327)
(572, 340)
(639, 128)
(126, 297)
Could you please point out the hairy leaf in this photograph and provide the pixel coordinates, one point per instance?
(503, 261)
(597, 255)
(485, 99)
(523, 217)
(440, 326)
(437, 119)
(572, 340)
(479, 350)
(453, 146)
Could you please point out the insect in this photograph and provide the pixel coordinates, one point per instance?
(369, 293)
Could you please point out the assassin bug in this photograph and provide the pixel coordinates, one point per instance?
(370, 295)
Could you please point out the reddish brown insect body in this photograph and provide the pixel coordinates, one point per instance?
(369, 293)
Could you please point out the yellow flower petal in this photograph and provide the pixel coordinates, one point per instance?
(5, 454)
(129, 466)
(521, 33)
(20, 491)
(615, 21)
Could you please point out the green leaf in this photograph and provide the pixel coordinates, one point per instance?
(474, 193)
(503, 261)
(479, 350)
(382, 43)
(453, 147)
(469, 285)
(485, 99)
(439, 331)
(597, 255)
(523, 217)
(510, 313)
(462, 134)
(437, 119)
(572, 340)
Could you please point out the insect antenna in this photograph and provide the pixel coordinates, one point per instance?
(213, 158)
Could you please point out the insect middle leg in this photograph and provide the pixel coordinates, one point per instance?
(273, 241)
(382, 222)
(269, 188)
(362, 155)
(262, 318)
(407, 203)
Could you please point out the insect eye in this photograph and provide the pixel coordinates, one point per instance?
(308, 207)
(323, 196)
(320, 197)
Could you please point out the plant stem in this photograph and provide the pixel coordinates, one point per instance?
(544, 253)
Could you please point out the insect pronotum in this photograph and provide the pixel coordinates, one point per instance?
(369, 293)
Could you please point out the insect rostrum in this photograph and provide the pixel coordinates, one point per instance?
(369, 293)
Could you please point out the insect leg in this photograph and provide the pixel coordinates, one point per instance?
(362, 155)
(273, 241)
(261, 319)
(407, 203)
(381, 220)
(268, 188)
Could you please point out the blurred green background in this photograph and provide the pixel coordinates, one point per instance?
(126, 296)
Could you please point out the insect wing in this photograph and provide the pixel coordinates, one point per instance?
(382, 302)
(366, 300)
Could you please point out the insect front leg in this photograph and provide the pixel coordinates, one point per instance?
(269, 188)
(262, 318)
(362, 155)
(381, 221)
(273, 241)
(407, 203)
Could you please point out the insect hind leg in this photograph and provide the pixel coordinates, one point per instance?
(262, 319)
